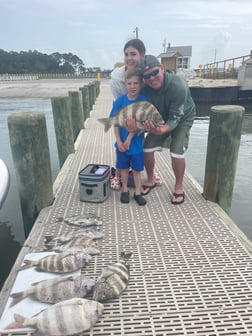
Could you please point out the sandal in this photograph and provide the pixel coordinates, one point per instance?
(147, 189)
(139, 199)
(178, 196)
(115, 183)
(124, 198)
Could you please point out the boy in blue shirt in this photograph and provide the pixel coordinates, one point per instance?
(129, 146)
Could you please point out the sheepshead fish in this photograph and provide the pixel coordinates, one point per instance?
(67, 317)
(89, 232)
(57, 289)
(63, 262)
(113, 280)
(91, 250)
(84, 220)
(141, 111)
(81, 242)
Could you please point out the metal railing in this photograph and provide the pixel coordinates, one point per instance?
(227, 68)
(21, 77)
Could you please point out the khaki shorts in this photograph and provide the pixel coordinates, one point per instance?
(177, 141)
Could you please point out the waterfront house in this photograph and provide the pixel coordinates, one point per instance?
(176, 57)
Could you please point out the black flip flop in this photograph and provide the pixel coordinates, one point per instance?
(177, 196)
(147, 189)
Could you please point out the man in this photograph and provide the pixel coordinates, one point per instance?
(171, 96)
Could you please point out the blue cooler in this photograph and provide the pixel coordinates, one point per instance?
(94, 183)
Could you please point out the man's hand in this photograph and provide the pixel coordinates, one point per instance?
(151, 128)
(130, 125)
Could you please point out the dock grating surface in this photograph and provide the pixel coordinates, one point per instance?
(189, 273)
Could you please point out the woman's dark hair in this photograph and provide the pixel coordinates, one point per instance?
(137, 44)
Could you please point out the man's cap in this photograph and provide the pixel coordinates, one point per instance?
(148, 62)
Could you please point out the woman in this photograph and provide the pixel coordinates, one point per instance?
(134, 51)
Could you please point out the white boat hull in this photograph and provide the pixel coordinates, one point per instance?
(4, 182)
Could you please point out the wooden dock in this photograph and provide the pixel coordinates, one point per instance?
(191, 268)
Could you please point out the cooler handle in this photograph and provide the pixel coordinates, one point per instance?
(88, 190)
(89, 185)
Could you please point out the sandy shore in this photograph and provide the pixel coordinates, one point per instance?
(43, 88)
(48, 88)
(204, 82)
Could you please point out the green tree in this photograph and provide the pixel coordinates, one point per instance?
(35, 62)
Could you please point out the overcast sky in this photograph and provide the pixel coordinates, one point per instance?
(96, 30)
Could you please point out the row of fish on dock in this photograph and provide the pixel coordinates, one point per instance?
(70, 312)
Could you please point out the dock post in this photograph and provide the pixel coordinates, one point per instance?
(91, 97)
(93, 92)
(77, 114)
(30, 152)
(222, 154)
(63, 127)
(85, 101)
(98, 83)
(95, 89)
(98, 88)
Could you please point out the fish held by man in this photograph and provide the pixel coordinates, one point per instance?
(113, 280)
(140, 111)
(56, 289)
(67, 317)
(64, 262)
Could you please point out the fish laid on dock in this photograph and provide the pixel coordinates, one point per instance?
(57, 289)
(78, 243)
(89, 232)
(140, 111)
(84, 220)
(113, 280)
(64, 262)
(67, 317)
(91, 250)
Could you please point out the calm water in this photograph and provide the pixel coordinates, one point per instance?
(11, 224)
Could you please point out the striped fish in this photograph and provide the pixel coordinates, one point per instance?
(57, 289)
(63, 262)
(67, 317)
(91, 250)
(141, 111)
(113, 280)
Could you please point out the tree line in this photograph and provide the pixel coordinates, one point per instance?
(32, 62)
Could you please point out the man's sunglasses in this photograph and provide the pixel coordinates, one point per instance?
(151, 74)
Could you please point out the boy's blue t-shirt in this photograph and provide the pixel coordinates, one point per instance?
(136, 145)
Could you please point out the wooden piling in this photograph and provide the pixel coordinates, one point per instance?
(76, 108)
(63, 127)
(85, 101)
(30, 151)
(98, 83)
(222, 153)
(91, 95)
